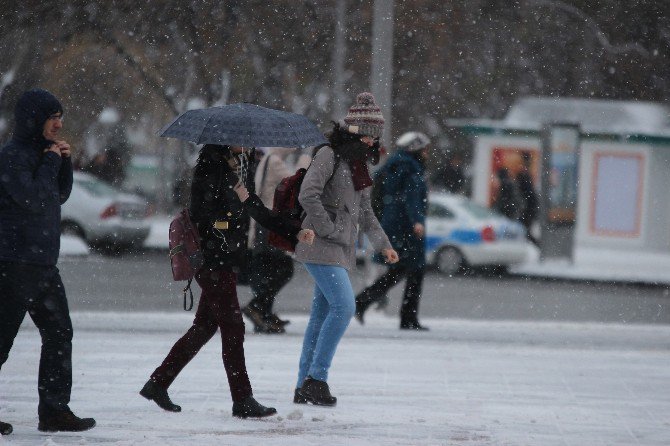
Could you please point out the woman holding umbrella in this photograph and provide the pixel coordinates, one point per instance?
(335, 195)
(222, 224)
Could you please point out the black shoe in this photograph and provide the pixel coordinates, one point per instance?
(298, 398)
(316, 392)
(267, 328)
(5, 428)
(250, 408)
(154, 392)
(413, 326)
(260, 324)
(360, 309)
(64, 421)
(274, 319)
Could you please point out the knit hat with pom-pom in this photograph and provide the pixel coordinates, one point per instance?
(365, 117)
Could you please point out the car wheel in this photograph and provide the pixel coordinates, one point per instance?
(72, 228)
(449, 260)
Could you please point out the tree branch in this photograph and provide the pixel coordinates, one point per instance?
(593, 25)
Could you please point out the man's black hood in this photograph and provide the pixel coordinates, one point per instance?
(31, 112)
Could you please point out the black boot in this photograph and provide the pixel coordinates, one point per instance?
(250, 408)
(362, 304)
(5, 428)
(298, 398)
(154, 392)
(413, 325)
(274, 319)
(317, 392)
(261, 325)
(64, 421)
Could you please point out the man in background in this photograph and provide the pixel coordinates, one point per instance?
(271, 268)
(404, 194)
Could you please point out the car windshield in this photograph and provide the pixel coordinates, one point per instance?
(97, 188)
(479, 211)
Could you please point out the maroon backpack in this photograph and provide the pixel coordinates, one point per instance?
(185, 253)
(285, 203)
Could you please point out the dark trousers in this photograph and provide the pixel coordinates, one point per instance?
(39, 291)
(409, 309)
(271, 271)
(218, 308)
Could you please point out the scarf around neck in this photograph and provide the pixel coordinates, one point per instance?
(360, 175)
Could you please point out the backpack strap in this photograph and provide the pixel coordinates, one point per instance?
(335, 166)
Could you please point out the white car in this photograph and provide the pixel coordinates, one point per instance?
(104, 216)
(462, 234)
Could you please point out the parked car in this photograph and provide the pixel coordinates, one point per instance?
(461, 234)
(104, 216)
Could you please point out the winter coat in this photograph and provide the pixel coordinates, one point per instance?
(507, 202)
(405, 204)
(271, 220)
(269, 173)
(33, 186)
(271, 170)
(335, 211)
(213, 199)
(530, 206)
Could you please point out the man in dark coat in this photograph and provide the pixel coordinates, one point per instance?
(35, 180)
(507, 202)
(530, 202)
(405, 201)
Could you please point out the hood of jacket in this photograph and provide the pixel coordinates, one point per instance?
(408, 158)
(31, 113)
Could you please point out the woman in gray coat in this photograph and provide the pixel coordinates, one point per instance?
(335, 195)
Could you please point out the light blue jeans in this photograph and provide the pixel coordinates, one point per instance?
(332, 309)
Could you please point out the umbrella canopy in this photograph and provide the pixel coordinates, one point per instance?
(244, 125)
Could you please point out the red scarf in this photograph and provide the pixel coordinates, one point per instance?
(360, 174)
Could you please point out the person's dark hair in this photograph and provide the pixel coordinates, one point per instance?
(349, 147)
(211, 152)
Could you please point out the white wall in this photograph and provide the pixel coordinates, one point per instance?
(613, 195)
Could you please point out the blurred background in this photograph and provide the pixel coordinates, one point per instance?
(123, 69)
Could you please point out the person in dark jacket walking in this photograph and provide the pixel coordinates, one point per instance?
(222, 223)
(335, 195)
(405, 197)
(271, 268)
(507, 201)
(530, 202)
(35, 180)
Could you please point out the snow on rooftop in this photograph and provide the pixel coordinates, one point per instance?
(594, 115)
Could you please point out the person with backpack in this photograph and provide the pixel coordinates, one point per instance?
(335, 196)
(271, 268)
(402, 201)
(222, 223)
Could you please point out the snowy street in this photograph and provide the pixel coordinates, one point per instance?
(462, 383)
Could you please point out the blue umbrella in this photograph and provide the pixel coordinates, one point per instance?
(244, 125)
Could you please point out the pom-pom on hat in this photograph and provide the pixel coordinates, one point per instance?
(365, 117)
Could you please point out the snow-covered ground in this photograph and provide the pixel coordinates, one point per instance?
(462, 383)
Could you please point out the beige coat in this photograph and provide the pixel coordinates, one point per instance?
(335, 211)
(269, 173)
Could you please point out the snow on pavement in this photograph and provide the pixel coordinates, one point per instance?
(462, 383)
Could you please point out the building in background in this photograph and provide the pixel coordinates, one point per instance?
(614, 188)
